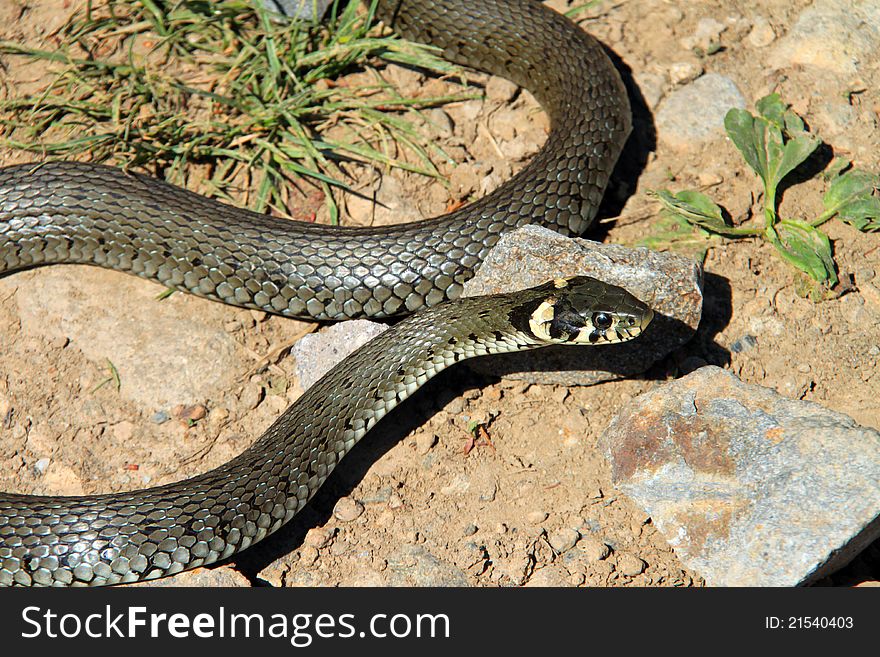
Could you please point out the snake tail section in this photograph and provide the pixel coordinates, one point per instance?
(70, 212)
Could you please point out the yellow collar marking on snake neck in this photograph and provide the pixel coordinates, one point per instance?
(540, 320)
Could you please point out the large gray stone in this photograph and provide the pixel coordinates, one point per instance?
(670, 284)
(316, 353)
(748, 487)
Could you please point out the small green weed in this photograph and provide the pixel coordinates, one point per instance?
(774, 143)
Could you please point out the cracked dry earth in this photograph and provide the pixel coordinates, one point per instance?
(421, 501)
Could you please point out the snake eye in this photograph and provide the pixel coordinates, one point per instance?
(602, 321)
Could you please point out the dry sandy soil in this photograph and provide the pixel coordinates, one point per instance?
(416, 502)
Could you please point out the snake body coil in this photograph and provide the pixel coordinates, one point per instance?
(82, 213)
(73, 212)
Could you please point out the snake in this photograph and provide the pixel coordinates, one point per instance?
(85, 213)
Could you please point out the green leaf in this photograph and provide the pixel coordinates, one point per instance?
(749, 137)
(806, 247)
(772, 108)
(794, 153)
(700, 210)
(850, 197)
(774, 143)
(674, 233)
(837, 167)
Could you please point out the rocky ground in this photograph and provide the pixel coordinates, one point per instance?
(532, 499)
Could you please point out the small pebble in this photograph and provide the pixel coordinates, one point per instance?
(551, 575)
(160, 417)
(709, 179)
(470, 530)
(251, 396)
(762, 33)
(560, 394)
(424, 442)
(500, 90)
(394, 501)
(318, 537)
(308, 555)
(440, 120)
(630, 565)
(745, 343)
(60, 342)
(563, 540)
(191, 413)
(593, 549)
(40, 466)
(684, 72)
(537, 517)
(347, 509)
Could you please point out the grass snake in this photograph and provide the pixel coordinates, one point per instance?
(67, 212)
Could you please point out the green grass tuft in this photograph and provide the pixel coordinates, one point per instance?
(164, 85)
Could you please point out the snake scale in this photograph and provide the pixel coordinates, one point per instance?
(67, 212)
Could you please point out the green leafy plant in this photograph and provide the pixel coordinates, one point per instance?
(253, 98)
(774, 143)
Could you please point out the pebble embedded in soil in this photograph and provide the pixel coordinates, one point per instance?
(562, 540)
(347, 509)
(318, 537)
(630, 565)
(695, 112)
(593, 549)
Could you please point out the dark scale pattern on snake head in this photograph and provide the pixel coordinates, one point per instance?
(67, 212)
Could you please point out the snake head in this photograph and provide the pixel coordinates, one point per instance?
(584, 310)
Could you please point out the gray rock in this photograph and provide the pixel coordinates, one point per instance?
(838, 36)
(413, 565)
(317, 353)
(748, 487)
(670, 284)
(165, 352)
(695, 112)
(307, 10)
